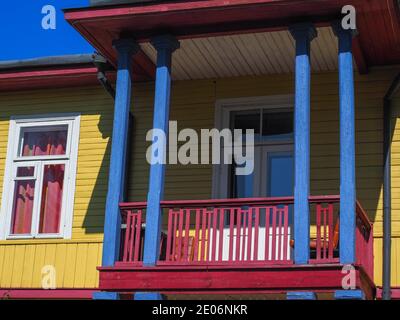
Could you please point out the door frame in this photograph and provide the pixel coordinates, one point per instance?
(223, 111)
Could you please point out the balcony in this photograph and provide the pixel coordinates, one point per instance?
(237, 245)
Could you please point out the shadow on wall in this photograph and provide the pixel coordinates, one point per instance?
(94, 217)
(325, 167)
(93, 222)
(325, 146)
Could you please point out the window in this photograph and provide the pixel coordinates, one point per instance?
(39, 179)
(271, 118)
(268, 124)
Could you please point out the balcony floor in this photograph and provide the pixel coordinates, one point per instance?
(230, 278)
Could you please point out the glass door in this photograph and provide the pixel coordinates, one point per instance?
(277, 180)
(273, 176)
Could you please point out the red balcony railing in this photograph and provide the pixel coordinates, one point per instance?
(324, 229)
(364, 242)
(241, 231)
(132, 235)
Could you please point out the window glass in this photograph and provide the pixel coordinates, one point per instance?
(247, 120)
(25, 172)
(242, 184)
(45, 142)
(277, 123)
(52, 191)
(41, 179)
(24, 192)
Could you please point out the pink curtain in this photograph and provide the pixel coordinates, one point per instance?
(39, 144)
(44, 143)
(23, 206)
(50, 209)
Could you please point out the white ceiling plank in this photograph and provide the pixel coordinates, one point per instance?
(247, 54)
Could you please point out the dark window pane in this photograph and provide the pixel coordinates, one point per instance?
(25, 172)
(277, 123)
(248, 120)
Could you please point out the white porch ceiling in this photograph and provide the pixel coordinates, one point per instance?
(247, 55)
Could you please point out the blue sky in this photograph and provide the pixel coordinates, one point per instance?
(22, 35)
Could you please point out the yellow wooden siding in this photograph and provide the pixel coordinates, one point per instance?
(395, 196)
(193, 106)
(75, 260)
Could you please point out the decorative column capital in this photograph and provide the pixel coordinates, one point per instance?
(339, 31)
(304, 30)
(165, 41)
(126, 45)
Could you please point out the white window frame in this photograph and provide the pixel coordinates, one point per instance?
(14, 160)
(223, 111)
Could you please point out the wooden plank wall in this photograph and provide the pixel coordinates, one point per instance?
(75, 260)
(193, 106)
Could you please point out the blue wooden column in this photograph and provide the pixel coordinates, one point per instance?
(303, 34)
(126, 48)
(347, 147)
(165, 46)
(117, 173)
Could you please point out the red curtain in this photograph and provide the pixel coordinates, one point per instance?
(50, 209)
(44, 143)
(23, 206)
(39, 144)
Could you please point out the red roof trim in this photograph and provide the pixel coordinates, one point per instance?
(47, 73)
(141, 9)
(378, 22)
(15, 80)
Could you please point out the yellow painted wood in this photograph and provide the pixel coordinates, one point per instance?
(21, 261)
(189, 103)
(193, 106)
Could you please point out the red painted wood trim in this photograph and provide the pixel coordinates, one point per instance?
(378, 21)
(234, 278)
(359, 56)
(190, 19)
(128, 10)
(46, 294)
(363, 216)
(244, 292)
(49, 78)
(247, 201)
(395, 293)
(230, 202)
(48, 73)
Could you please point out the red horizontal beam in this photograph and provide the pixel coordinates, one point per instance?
(47, 294)
(191, 19)
(48, 73)
(164, 8)
(47, 78)
(360, 212)
(212, 278)
(230, 202)
(394, 290)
